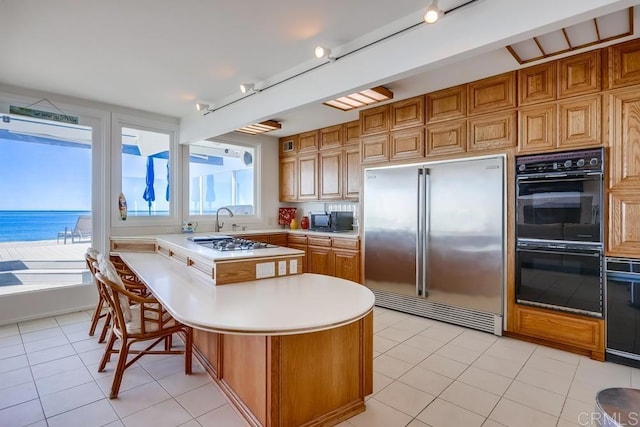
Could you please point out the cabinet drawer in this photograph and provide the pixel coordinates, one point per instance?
(278, 239)
(297, 238)
(319, 241)
(346, 243)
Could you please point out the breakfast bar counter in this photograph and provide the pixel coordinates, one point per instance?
(290, 350)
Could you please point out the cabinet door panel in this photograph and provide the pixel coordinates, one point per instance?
(331, 137)
(352, 133)
(288, 179)
(374, 120)
(489, 132)
(537, 84)
(308, 141)
(375, 148)
(320, 260)
(580, 122)
(352, 172)
(447, 104)
(447, 137)
(331, 174)
(307, 179)
(624, 229)
(624, 111)
(579, 74)
(624, 64)
(537, 128)
(492, 94)
(347, 265)
(407, 113)
(407, 144)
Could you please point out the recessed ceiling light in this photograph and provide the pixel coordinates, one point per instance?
(360, 99)
(262, 127)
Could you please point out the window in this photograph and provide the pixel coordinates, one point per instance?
(146, 171)
(221, 174)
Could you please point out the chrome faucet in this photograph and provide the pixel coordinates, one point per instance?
(217, 226)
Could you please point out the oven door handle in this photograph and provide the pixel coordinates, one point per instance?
(554, 252)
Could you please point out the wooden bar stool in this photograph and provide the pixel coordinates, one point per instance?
(136, 318)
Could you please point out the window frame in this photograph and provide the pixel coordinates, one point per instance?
(118, 123)
(257, 175)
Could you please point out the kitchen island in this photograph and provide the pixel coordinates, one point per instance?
(291, 350)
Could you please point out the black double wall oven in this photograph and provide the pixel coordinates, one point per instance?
(559, 233)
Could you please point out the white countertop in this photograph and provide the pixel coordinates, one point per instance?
(277, 306)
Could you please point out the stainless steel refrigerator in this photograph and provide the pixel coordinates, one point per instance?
(434, 240)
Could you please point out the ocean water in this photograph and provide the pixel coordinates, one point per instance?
(20, 226)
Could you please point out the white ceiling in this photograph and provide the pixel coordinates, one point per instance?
(164, 56)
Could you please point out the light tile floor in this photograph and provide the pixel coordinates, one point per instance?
(426, 373)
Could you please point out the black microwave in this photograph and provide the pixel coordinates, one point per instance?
(332, 221)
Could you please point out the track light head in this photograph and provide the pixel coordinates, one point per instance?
(247, 87)
(433, 13)
(202, 107)
(323, 52)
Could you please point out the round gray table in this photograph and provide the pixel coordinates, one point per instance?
(618, 407)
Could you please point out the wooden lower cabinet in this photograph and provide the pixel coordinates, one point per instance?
(347, 264)
(312, 379)
(569, 332)
(337, 257)
(320, 260)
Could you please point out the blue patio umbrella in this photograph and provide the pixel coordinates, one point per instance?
(167, 195)
(149, 194)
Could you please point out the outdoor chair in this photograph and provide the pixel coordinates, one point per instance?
(81, 232)
(136, 319)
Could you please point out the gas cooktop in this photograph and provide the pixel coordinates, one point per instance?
(229, 243)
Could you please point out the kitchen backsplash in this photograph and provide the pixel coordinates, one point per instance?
(305, 209)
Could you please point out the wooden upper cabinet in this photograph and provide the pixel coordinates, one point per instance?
(331, 137)
(288, 145)
(407, 113)
(407, 144)
(624, 138)
(492, 131)
(580, 122)
(307, 177)
(308, 141)
(624, 220)
(351, 133)
(374, 148)
(352, 172)
(537, 84)
(330, 177)
(537, 128)
(447, 104)
(579, 74)
(447, 137)
(288, 179)
(374, 120)
(492, 94)
(623, 67)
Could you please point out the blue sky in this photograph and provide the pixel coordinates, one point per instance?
(35, 176)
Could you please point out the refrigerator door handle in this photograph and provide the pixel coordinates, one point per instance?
(425, 232)
(420, 236)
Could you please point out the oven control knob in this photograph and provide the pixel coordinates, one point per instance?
(522, 168)
(567, 164)
(580, 163)
(593, 161)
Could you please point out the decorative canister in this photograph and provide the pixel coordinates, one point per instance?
(293, 224)
(304, 223)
